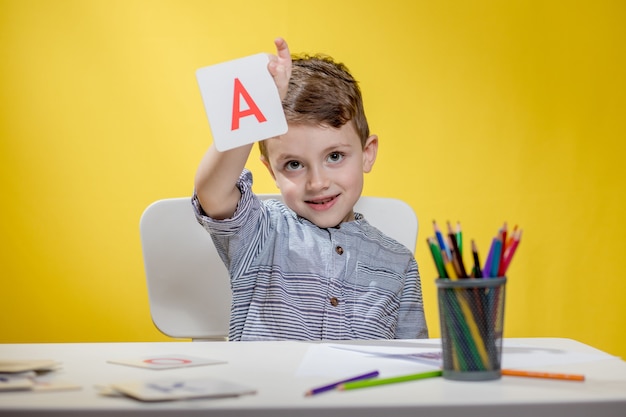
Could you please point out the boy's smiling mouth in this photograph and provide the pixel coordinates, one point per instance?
(324, 202)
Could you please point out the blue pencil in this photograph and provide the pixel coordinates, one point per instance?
(495, 261)
(442, 241)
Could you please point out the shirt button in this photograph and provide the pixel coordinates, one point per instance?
(334, 301)
(339, 250)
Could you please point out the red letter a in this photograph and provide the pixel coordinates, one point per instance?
(253, 109)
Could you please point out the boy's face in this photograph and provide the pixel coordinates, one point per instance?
(319, 170)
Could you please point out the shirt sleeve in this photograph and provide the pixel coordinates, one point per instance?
(227, 234)
(411, 318)
(229, 225)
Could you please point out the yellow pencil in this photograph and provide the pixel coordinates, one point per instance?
(473, 328)
(447, 264)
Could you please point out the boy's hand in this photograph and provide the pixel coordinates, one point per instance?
(280, 66)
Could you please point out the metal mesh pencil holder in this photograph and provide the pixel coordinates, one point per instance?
(471, 318)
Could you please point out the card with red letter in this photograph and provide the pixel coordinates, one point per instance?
(241, 101)
(166, 361)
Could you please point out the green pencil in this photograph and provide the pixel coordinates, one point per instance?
(434, 249)
(392, 380)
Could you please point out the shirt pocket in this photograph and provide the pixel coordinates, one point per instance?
(376, 294)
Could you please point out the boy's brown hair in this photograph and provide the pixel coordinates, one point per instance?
(323, 92)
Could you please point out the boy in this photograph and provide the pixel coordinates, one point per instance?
(311, 268)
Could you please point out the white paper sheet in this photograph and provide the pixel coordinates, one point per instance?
(393, 358)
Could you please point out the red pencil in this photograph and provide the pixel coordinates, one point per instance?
(517, 236)
(503, 233)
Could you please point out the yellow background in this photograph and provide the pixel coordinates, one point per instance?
(487, 111)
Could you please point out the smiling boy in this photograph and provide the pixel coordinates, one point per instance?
(309, 268)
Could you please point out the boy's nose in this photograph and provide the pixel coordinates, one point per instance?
(317, 179)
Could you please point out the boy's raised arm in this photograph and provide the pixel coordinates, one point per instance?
(217, 174)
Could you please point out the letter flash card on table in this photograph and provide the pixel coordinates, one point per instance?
(241, 101)
(166, 361)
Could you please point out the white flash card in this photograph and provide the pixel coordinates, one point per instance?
(181, 389)
(241, 102)
(166, 361)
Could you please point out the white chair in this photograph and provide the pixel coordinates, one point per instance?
(188, 285)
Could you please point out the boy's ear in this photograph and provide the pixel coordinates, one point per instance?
(370, 150)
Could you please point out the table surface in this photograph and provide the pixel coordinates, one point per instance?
(271, 367)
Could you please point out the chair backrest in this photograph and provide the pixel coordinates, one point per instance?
(188, 285)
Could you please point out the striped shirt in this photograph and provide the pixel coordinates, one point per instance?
(293, 280)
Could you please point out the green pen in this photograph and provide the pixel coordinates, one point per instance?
(383, 381)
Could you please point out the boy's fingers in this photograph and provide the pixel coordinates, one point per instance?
(282, 49)
(279, 66)
(281, 62)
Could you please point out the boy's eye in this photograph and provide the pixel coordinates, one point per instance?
(335, 157)
(293, 165)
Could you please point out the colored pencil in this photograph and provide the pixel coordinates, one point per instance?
(334, 385)
(478, 341)
(496, 258)
(393, 380)
(509, 240)
(503, 234)
(459, 237)
(511, 251)
(477, 272)
(489, 260)
(456, 254)
(441, 240)
(548, 375)
(455, 263)
(447, 264)
(432, 244)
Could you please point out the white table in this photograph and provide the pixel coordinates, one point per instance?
(271, 368)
